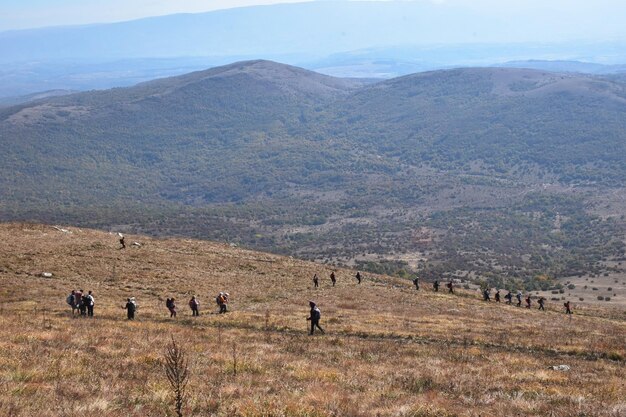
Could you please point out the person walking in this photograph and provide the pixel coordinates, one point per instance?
(71, 300)
(316, 281)
(528, 301)
(122, 241)
(509, 297)
(519, 298)
(222, 301)
(171, 306)
(131, 307)
(194, 304)
(416, 282)
(358, 277)
(486, 294)
(436, 285)
(90, 301)
(333, 278)
(82, 303)
(568, 308)
(451, 287)
(541, 302)
(497, 296)
(314, 317)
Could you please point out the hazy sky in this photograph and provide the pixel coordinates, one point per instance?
(21, 14)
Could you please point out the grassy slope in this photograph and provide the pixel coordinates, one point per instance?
(389, 350)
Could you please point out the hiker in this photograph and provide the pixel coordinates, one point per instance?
(222, 301)
(316, 281)
(171, 306)
(82, 303)
(194, 304)
(436, 285)
(333, 279)
(519, 298)
(450, 286)
(71, 300)
(131, 307)
(486, 295)
(358, 277)
(122, 241)
(89, 301)
(315, 317)
(568, 309)
(528, 301)
(497, 296)
(509, 297)
(416, 282)
(541, 302)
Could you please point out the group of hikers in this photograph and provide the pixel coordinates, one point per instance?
(84, 304)
(528, 300)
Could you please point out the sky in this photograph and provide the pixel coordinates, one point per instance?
(25, 14)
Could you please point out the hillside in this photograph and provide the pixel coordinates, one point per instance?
(388, 350)
(484, 174)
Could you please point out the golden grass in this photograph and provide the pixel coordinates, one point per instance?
(389, 350)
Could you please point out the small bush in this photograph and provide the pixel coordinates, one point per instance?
(607, 298)
(595, 289)
(571, 286)
(581, 299)
(610, 289)
(600, 298)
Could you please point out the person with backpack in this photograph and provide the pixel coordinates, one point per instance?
(436, 285)
(131, 307)
(486, 294)
(541, 302)
(509, 297)
(497, 296)
(89, 303)
(416, 282)
(358, 277)
(450, 286)
(314, 317)
(528, 301)
(333, 278)
(122, 242)
(568, 308)
(316, 282)
(222, 301)
(171, 306)
(82, 302)
(194, 304)
(519, 298)
(71, 301)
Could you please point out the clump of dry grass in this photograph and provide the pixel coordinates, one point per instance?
(389, 350)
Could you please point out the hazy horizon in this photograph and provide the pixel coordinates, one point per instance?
(514, 21)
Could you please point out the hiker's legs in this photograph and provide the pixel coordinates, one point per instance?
(90, 311)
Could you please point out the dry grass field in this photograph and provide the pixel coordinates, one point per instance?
(388, 350)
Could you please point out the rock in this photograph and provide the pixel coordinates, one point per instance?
(560, 367)
(136, 244)
(61, 230)
(46, 274)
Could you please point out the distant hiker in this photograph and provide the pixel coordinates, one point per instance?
(171, 306)
(122, 242)
(568, 308)
(316, 281)
(358, 277)
(450, 286)
(131, 307)
(519, 298)
(541, 302)
(71, 300)
(416, 282)
(222, 301)
(509, 297)
(436, 285)
(528, 301)
(89, 301)
(82, 304)
(497, 296)
(194, 305)
(486, 295)
(333, 279)
(315, 317)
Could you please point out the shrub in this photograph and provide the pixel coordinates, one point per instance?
(600, 298)
(571, 286)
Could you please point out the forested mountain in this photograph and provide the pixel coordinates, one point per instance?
(481, 173)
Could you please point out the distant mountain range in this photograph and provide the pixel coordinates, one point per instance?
(345, 39)
(450, 163)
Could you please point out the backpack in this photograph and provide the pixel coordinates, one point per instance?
(70, 299)
(316, 314)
